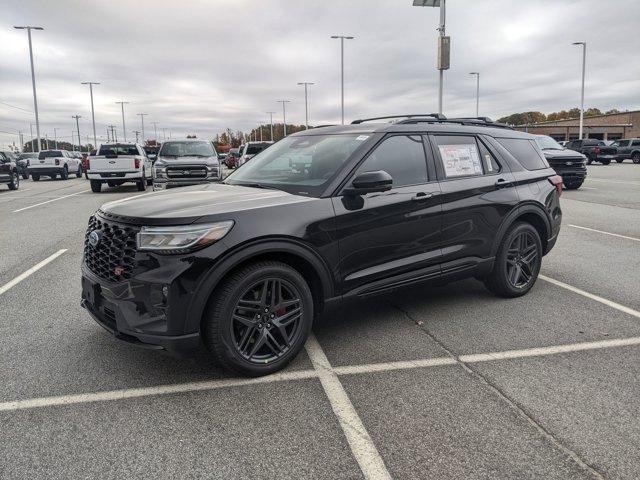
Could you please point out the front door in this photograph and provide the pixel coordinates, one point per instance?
(386, 237)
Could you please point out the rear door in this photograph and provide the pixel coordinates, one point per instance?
(477, 194)
(391, 237)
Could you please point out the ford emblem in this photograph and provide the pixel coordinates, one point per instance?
(95, 237)
(186, 172)
(569, 163)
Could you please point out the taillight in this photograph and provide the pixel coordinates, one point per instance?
(597, 150)
(88, 164)
(57, 161)
(556, 181)
(137, 162)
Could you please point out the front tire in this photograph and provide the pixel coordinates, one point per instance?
(35, 177)
(605, 162)
(574, 185)
(15, 181)
(142, 183)
(96, 186)
(25, 176)
(79, 172)
(517, 263)
(258, 319)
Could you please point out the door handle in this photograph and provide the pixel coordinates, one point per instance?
(501, 182)
(421, 196)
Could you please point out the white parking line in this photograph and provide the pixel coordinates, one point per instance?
(606, 233)
(597, 298)
(31, 271)
(323, 370)
(362, 446)
(49, 201)
(627, 182)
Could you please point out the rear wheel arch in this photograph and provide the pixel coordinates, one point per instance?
(295, 254)
(529, 213)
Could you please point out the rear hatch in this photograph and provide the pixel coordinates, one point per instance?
(115, 157)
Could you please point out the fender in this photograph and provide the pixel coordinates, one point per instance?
(244, 252)
(521, 209)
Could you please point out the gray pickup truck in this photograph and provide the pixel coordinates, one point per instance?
(185, 162)
(595, 150)
(627, 148)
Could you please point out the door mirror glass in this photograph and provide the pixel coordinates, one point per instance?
(368, 182)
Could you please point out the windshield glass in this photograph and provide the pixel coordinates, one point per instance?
(548, 143)
(301, 165)
(118, 149)
(186, 149)
(49, 154)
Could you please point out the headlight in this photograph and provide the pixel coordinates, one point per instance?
(182, 238)
(161, 172)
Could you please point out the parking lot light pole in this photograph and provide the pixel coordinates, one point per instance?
(77, 117)
(584, 60)
(124, 131)
(477, 74)
(55, 136)
(271, 120)
(33, 79)
(342, 39)
(443, 44)
(142, 115)
(306, 103)
(155, 131)
(93, 116)
(31, 130)
(284, 114)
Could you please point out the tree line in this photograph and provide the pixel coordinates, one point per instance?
(524, 118)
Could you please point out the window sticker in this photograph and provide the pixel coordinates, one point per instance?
(487, 157)
(361, 138)
(460, 160)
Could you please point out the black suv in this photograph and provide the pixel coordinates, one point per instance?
(322, 216)
(569, 164)
(9, 173)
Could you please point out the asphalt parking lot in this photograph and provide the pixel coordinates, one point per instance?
(449, 382)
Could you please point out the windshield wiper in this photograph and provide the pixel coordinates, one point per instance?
(256, 185)
(552, 148)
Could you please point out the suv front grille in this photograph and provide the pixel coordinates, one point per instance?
(187, 172)
(113, 258)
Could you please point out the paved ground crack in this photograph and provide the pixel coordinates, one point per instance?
(511, 403)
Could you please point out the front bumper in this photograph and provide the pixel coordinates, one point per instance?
(163, 184)
(5, 177)
(135, 312)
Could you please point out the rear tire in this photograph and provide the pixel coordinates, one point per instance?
(605, 162)
(35, 177)
(574, 185)
(517, 262)
(25, 176)
(619, 160)
(79, 172)
(96, 186)
(245, 338)
(15, 181)
(635, 158)
(65, 173)
(589, 161)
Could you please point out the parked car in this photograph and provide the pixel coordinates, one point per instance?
(627, 148)
(595, 150)
(232, 158)
(250, 149)
(9, 173)
(570, 165)
(185, 162)
(24, 160)
(52, 163)
(117, 163)
(246, 265)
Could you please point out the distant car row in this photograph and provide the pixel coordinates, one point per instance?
(605, 152)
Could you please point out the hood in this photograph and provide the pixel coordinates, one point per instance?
(562, 154)
(188, 204)
(187, 160)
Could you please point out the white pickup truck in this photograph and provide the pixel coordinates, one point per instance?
(117, 163)
(51, 163)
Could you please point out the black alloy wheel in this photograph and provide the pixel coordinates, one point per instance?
(258, 318)
(266, 320)
(522, 260)
(517, 262)
(636, 158)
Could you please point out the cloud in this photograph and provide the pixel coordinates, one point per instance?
(202, 66)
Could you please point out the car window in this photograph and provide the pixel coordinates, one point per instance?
(635, 143)
(402, 157)
(118, 149)
(459, 155)
(491, 165)
(525, 151)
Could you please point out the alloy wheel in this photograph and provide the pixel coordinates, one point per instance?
(522, 260)
(266, 320)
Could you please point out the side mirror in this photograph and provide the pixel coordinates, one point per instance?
(368, 182)
(152, 156)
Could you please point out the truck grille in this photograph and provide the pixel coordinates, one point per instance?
(187, 172)
(113, 258)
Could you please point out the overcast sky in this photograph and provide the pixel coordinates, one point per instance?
(202, 66)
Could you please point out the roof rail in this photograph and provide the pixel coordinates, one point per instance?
(472, 121)
(437, 116)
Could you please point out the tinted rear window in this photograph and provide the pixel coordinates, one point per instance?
(255, 149)
(525, 152)
(118, 149)
(49, 154)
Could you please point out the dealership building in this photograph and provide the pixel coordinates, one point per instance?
(603, 127)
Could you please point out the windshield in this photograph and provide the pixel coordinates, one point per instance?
(49, 154)
(118, 149)
(301, 165)
(186, 149)
(548, 143)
